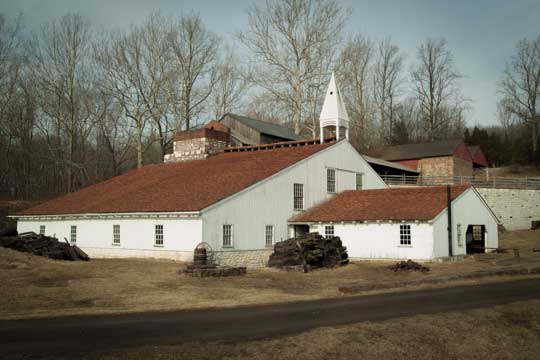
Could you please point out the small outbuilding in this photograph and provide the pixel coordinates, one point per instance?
(405, 223)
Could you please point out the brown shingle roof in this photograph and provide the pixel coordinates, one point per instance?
(182, 186)
(418, 203)
(418, 151)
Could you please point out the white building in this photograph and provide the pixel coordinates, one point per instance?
(405, 223)
(237, 199)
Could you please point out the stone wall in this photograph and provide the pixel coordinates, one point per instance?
(437, 166)
(197, 145)
(462, 167)
(515, 208)
(248, 258)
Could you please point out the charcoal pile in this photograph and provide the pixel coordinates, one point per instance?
(309, 252)
(409, 265)
(44, 246)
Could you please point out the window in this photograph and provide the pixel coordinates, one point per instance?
(269, 235)
(41, 229)
(298, 196)
(459, 235)
(359, 181)
(227, 235)
(73, 234)
(405, 234)
(116, 234)
(477, 232)
(331, 180)
(329, 231)
(159, 235)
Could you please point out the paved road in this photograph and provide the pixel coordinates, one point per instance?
(68, 336)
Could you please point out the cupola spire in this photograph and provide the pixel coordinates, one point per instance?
(333, 112)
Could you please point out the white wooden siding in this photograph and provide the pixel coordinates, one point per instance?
(382, 240)
(137, 236)
(271, 201)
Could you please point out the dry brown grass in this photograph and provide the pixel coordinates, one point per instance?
(503, 332)
(34, 287)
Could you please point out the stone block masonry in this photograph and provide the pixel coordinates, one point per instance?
(515, 208)
(197, 144)
(252, 259)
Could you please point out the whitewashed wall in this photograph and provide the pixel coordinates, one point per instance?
(382, 241)
(137, 236)
(270, 202)
(467, 209)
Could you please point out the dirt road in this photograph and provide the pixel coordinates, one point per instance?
(69, 336)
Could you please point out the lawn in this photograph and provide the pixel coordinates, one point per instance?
(33, 286)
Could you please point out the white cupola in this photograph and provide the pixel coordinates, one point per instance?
(333, 112)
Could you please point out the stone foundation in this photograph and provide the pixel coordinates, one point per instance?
(249, 258)
(118, 252)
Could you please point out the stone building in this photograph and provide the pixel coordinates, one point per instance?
(441, 158)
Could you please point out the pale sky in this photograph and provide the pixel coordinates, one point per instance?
(480, 33)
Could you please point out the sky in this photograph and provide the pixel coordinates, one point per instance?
(480, 33)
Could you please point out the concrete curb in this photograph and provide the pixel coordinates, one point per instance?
(354, 289)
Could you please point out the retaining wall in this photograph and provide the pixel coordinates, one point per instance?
(515, 208)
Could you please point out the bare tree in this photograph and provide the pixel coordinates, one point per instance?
(387, 81)
(287, 40)
(60, 69)
(354, 75)
(436, 88)
(230, 86)
(520, 87)
(195, 52)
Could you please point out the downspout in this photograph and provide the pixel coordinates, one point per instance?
(449, 207)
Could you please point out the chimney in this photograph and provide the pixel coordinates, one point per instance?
(199, 144)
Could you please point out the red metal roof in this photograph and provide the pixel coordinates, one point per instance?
(415, 203)
(182, 186)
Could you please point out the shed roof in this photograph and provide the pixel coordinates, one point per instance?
(182, 186)
(420, 150)
(381, 162)
(415, 203)
(265, 127)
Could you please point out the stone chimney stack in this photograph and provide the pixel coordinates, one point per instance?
(199, 144)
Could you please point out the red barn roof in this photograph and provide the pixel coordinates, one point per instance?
(418, 203)
(477, 155)
(182, 186)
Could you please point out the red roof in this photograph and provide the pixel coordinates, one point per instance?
(415, 203)
(182, 186)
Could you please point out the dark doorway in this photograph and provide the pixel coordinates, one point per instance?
(300, 230)
(476, 239)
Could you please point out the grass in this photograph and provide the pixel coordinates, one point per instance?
(504, 332)
(33, 286)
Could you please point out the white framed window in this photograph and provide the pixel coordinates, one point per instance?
(227, 235)
(73, 234)
(331, 180)
(459, 235)
(405, 234)
(269, 235)
(159, 235)
(298, 196)
(116, 234)
(329, 231)
(41, 229)
(359, 181)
